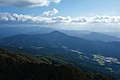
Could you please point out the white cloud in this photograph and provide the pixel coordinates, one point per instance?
(106, 19)
(61, 19)
(97, 23)
(50, 13)
(20, 18)
(79, 20)
(27, 3)
(7, 17)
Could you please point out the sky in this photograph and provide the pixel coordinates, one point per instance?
(99, 15)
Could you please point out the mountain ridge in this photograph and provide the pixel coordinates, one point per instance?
(57, 38)
(95, 36)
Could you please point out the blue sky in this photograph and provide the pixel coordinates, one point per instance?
(61, 12)
(72, 8)
(87, 7)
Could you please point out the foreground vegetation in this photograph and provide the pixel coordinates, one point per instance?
(15, 66)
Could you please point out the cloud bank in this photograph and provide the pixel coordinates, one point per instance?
(27, 3)
(97, 23)
(7, 17)
(50, 13)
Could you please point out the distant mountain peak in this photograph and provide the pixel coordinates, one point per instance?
(57, 32)
(100, 37)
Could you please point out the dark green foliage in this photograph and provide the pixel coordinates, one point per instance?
(15, 66)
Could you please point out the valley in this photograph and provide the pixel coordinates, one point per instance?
(82, 53)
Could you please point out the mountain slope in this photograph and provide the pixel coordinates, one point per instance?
(100, 37)
(58, 39)
(15, 66)
(75, 49)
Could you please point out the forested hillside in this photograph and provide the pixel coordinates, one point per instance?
(16, 66)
